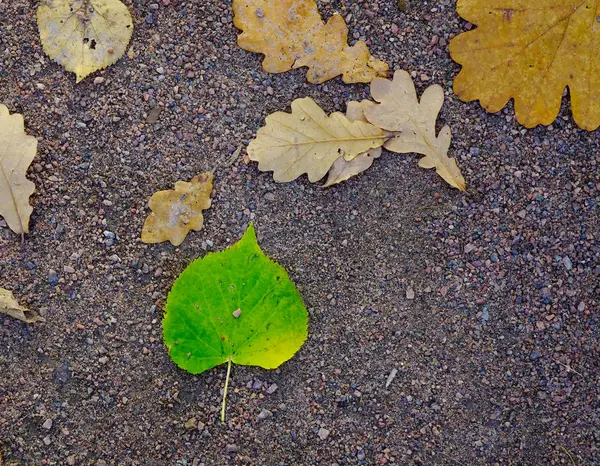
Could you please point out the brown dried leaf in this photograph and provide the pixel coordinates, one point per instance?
(17, 151)
(291, 34)
(414, 124)
(176, 212)
(309, 141)
(10, 307)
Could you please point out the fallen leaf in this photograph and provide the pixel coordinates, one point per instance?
(414, 124)
(176, 212)
(17, 151)
(10, 307)
(84, 35)
(343, 169)
(234, 306)
(531, 51)
(291, 34)
(309, 141)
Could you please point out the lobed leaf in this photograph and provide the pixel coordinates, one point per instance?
(17, 151)
(413, 123)
(309, 141)
(291, 34)
(529, 52)
(178, 211)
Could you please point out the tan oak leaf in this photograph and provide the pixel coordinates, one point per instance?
(291, 34)
(309, 141)
(17, 151)
(414, 124)
(178, 211)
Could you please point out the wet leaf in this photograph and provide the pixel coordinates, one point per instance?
(343, 169)
(309, 141)
(84, 35)
(234, 306)
(291, 34)
(10, 307)
(178, 211)
(414, 124)
(17, 151)
(530, 51)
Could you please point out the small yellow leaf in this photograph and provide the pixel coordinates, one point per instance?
(84, 35)
(10, 307)
(414, 124)
(343, 169)
(291, 34)
(17, 151)
(530, 51)
(176, 212)
(309, 141)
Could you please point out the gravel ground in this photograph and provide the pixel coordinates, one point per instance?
(496, 353)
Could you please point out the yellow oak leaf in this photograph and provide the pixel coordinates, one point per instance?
(178, 211)
(530, 51)
(309, 141)
(17, 151)
(84, 35)
(291, 34)
(10, 307)
(343, 169)
(414, 124)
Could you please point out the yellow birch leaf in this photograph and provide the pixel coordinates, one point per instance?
(308, 141)
(291, 34)
(414, 124)
(17, 151)
(530, 51)
(84, 35)
(10, 307)
(178, 211)
(343, 169)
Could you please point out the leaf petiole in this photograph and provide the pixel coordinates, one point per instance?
(225, 391)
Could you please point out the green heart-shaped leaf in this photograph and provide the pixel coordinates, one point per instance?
(234, 306)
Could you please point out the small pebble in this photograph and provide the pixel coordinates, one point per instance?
(391, 377)
(53, 277)
(231, 448)
(264, 414)
(323, 433)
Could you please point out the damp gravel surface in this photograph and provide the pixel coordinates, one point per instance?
(485, 304)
